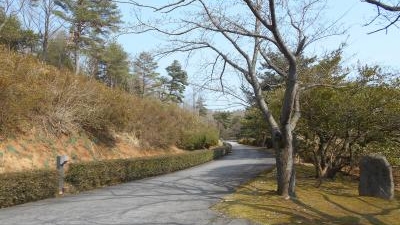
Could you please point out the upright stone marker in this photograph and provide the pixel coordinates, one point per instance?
(376, 177)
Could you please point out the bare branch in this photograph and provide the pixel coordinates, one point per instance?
(389, 9)
(213, 66)
(164, 8)
(230, 39)
(387, 26)
(257, 14)
(11, 11)
(150, 28)
(244, 31)
(196, 45)
(273, 66)
(177, 5)
(134, 3)
(384, 6)
(220, 77)
(311, 86)
(227, 90)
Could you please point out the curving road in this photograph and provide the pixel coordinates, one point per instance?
(179, 198)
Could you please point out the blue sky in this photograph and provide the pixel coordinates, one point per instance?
(380, 48)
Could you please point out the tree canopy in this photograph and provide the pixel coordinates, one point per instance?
(90, 23)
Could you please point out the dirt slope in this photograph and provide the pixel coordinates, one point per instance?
(39, 150)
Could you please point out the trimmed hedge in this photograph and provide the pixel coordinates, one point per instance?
(199, 139)
(90, 175)
(22, 187)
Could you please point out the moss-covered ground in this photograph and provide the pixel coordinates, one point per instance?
(333, 202)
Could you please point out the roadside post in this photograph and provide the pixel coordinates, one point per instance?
(61, 161)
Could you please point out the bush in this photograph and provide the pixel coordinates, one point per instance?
(22, 187)
(248, 141)
(90, 175)
(201, 138)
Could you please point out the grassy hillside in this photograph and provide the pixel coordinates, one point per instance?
(45, 112)
(335, 202)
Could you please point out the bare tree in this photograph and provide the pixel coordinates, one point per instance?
(390, 14)
(10, 8)
(241, 34)
(39, 16)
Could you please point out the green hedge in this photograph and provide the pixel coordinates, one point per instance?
(248, 141)
(22, 187)
(90, 175)
(199, 139)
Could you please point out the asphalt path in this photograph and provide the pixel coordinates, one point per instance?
(179, 198)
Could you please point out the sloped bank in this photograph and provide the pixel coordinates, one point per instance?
(23, 187)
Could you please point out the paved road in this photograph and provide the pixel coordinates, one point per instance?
(179, 198)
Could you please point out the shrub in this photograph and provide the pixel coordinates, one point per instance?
(22, 187)
(248, 141)
(203, 137)
(89, 175)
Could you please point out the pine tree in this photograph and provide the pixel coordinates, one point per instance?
(201, 106)
(90, 23)
(177, 84)
(144, 68)
(14, 36)
(114, 66)
(57, 52)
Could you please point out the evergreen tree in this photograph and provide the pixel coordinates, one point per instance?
(223, 119)
(114, 66)
(177, 84)
(57, 53)
(90, 23)
(201, 106)
(163, 88)
(14, 36)
(144, 68)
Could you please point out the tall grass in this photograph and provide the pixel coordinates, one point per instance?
(35, 95)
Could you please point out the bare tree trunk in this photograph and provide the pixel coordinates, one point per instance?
(76, 58)
(292, 183)
(47, 8)
(45, 42)
(285, 163)
(283, 144)
(76, 37)
(143, 84)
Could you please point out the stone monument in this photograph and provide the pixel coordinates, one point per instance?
(376, 177)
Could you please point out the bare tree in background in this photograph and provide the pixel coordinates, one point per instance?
(10, 9)
(240, 35)
(386, 10)
(36, 15)
(39, 15)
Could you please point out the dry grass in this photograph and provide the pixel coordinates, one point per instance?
(37, 96)
(334, 203)
(45, 112)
